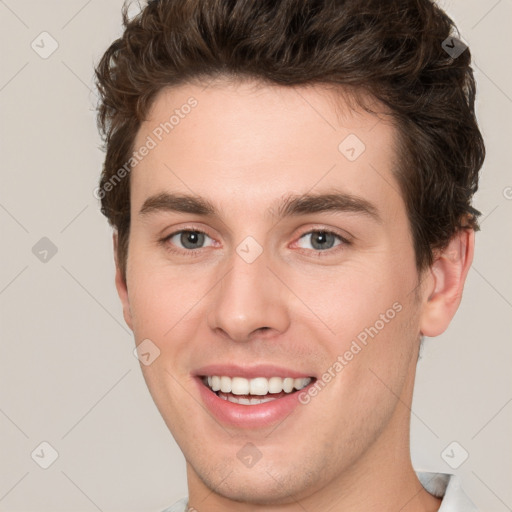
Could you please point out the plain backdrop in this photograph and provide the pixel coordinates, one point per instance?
(68, 376)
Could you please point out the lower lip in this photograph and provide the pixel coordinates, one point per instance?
(249, 416)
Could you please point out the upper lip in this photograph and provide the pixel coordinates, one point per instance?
(250, 372)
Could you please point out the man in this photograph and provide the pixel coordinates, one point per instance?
(290, 184)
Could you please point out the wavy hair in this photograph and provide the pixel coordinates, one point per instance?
(393, 50)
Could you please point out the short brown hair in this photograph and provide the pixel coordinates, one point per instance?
(396, 51)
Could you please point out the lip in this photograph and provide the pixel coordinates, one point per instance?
(249, 416)
(249, 372)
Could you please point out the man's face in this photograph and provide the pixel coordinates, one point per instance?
(268, 295)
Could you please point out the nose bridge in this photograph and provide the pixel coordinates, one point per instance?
(248, 296)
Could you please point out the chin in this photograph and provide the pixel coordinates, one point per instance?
(254, 487)
(271, 481)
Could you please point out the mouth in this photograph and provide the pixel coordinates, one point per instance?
(255, 391)
(252, 397)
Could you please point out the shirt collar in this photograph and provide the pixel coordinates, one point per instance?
(448, 487)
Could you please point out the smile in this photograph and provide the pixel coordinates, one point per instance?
(251, 396)
(259, 390)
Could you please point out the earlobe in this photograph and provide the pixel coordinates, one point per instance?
(121, 286)
(447, 277)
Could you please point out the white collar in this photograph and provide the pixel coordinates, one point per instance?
(448, 487)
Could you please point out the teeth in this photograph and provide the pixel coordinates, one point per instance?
(215, 385)
(288, 384)
(247, 401)
(225, 384)
(239, 386)
(276, 385)
(258, 386)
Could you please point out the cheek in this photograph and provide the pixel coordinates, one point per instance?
(375, 322)
(168, 309)
(369, 376)
(349, 300)
(160, 298)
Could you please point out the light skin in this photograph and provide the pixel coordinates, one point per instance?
(244, 148)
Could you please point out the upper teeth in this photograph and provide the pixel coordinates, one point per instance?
(257, 386)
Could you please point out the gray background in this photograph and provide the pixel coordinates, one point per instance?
(68, 375)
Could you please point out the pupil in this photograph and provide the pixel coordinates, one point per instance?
(321, 238)
(190, 238)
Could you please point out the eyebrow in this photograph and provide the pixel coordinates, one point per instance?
(289, 206)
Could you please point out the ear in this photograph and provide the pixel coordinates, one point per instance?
(122, 289)
(445, 283)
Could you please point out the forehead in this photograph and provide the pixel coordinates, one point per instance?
(242, 144)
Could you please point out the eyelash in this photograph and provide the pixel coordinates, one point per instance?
(197, 252)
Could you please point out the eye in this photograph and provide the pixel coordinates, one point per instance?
(186, 240)
(189, 241)
(322, 240)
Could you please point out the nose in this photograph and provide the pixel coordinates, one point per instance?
(249, 301)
